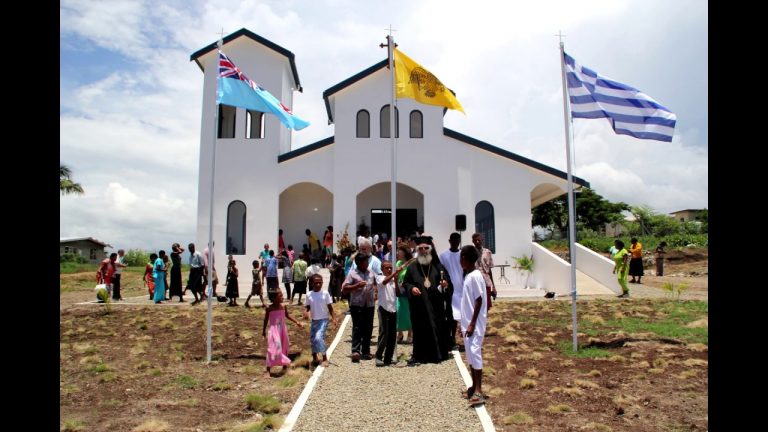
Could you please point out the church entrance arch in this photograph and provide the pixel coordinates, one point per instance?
(374, 208)
(304, 205)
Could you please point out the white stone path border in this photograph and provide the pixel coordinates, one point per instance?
(290, 420)
(482, 413)
(293, 416)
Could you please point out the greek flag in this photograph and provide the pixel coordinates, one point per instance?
(630, 111)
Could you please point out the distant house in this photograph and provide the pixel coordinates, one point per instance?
(687, 215)
(88, 247)
(615, 229)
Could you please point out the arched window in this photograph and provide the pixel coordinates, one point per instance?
(254, 124)
(363, 124)
(485, 224)
(417, 124)
(384, 122)
(227, 121)
(236, 228)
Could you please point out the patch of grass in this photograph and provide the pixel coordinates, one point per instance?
(688, 374)
(559, 409)
(568, 391)
(186, 381)
(68, 389)
(262, 403)
(139, 349)
(586, 384)
(287, 381)
(143, 365)
(270, 422)
(81, 348)
(496, 391)
(192, 402)
(100, 368)
(660, 363)
(107, 377)
(155, 372)
(696, 362)
(594, 373)
(221, 386)
(73, 425)
(548, 340)
(152, 426)
(567, 363)
(250, 370)
(517, 418)
(598, 427)
(526, 383)
(624, 400)
(617, 358)
(510, 366)
(532, 373)
(94, 359)
(643, 364)
(566, 347)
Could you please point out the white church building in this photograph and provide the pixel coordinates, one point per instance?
(262, 184)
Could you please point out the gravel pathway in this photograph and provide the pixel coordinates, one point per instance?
(361, 397)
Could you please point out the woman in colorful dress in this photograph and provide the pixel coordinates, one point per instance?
(158, 274)
(621, 261)
(404, 258)
(636, 262)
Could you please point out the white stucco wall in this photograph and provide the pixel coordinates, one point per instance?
(550, 272)
(597, 267)
(451, 176)
(244, 167)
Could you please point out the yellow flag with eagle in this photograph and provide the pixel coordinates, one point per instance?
(414, 82)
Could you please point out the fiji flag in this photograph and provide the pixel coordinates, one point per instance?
(237, 90)
(630, 111)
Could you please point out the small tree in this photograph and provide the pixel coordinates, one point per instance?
(525, 264)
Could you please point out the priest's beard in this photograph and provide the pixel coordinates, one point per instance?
(424, 259)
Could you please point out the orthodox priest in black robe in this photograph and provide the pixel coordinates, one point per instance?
(427, 292)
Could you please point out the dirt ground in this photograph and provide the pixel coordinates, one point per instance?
(645, 381)
(142, 367)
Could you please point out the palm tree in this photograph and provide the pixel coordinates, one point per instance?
(66, 185)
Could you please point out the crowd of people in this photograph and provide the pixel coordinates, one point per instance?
(424, 298)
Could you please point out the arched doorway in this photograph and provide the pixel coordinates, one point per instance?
(374, 208)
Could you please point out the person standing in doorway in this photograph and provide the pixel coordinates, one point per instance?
(315, 249)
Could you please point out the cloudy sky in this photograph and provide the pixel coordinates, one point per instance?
(131, 99)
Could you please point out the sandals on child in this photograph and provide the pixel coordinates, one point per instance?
(476, 399)
(466, 394)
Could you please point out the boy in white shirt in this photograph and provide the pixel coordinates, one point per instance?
(387, 285)
(319, 305)
(473, 321)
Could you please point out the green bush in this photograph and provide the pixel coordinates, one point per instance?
(72, 257)
(136, 257)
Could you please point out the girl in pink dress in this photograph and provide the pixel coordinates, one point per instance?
(277, 334)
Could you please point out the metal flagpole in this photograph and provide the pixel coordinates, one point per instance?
(209, 290)
(571, 205)
(392, 122)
